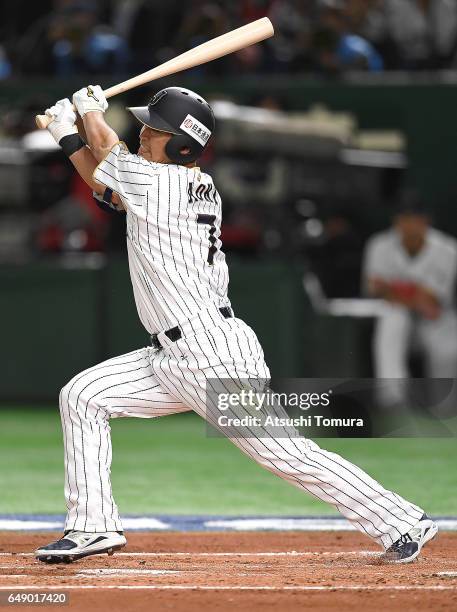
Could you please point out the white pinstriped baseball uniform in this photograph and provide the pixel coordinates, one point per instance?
(180, 278)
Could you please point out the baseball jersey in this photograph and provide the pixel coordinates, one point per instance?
(174, 218)
(434, 267)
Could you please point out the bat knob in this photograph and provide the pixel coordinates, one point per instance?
(42, 121)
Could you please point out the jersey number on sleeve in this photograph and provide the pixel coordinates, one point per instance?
(209, 220)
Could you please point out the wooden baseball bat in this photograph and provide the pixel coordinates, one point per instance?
(215, 48)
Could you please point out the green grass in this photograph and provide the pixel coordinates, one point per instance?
(168, 465)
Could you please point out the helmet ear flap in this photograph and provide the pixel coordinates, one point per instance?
(178, 142)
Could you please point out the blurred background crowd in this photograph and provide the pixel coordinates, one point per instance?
(321, 131)
(64, 37)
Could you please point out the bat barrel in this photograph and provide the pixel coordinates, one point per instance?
(215, 48)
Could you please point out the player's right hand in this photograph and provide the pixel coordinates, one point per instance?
(63, 118)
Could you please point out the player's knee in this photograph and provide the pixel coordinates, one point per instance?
(65, 393)
(76, 396)
(290, 455)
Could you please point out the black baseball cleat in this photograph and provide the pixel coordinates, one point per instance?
(408, 547)
(78, 544)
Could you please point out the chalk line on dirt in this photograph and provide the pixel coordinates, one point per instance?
(190, 587)
(292, 553)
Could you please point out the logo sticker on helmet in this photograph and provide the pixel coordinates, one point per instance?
(197, 130)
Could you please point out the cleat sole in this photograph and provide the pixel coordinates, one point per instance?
(59, 558)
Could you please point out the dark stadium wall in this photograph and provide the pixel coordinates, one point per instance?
(422, 106)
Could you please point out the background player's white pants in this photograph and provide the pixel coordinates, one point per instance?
(398, 331)
(147, 383)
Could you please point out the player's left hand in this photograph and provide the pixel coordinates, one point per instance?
(90, 98)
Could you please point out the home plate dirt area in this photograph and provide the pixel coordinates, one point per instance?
(247, 571)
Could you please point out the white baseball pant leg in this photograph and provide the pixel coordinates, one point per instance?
(120, 387)
(438, 339)
(147, 383)
(391, 344)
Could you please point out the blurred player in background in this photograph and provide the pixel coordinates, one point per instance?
(413, 266)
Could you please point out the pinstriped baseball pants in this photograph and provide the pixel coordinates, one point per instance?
(147, 383)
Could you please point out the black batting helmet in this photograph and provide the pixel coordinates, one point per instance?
(184, 114)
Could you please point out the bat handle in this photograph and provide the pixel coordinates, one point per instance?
(42, 121)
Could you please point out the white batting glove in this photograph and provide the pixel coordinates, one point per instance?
(63, 119)
(90, 98)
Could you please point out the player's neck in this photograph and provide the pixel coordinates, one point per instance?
(414, 247)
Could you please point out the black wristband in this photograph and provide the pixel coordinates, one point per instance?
(71, 143)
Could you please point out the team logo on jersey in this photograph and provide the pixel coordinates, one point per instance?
(197, 130)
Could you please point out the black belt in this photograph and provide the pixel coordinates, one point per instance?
(175, 333)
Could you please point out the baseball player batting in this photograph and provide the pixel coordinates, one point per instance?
(180, 278)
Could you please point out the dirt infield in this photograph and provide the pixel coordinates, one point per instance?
(248, 571)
